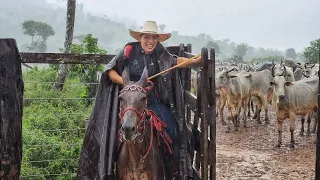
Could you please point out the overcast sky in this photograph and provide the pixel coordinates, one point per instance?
(267, 23)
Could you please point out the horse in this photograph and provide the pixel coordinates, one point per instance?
(141, 131)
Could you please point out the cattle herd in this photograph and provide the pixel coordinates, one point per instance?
(291, 88)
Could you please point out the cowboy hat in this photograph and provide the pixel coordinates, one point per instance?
(149, 27)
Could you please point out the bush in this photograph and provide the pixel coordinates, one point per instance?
(52, 127)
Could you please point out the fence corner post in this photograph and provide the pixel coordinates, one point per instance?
(205, 114)
(213, 146)
(11, 108)
(317, 169)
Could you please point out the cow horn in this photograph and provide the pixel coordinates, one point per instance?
(247, 68)
(284, 72)
(272, 70)
(305, 75)
(233, 69)
(281, 62)
(312, 66)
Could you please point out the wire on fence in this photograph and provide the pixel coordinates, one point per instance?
(39, 175)
(45, 145)
(57, 98)
(56, 130)
(53, 114)
(54, 83)
(49, 160)
(51, 146)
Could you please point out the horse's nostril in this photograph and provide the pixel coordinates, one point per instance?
(133, 129)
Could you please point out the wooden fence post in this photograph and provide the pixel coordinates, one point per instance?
(206, 116)
(212, 147)
(317, 176)
(11, 98)
(188, 85)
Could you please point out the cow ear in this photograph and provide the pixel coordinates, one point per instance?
(288, 83)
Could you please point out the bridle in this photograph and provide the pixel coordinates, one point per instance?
(154, 121)
(142, 115)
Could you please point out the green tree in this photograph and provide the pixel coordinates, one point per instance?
(53, 129)
(39, 32)
(214, 45)
(64, 68)
(312, 53)
(86, 72)
(291, 53)
(240, 51)
(268, 59)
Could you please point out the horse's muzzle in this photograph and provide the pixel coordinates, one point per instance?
(129, 132)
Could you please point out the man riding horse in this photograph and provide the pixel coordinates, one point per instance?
(101, 142)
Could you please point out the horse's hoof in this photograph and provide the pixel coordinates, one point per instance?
(278, 145)
(259, 122)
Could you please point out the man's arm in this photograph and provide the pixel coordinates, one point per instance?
(115, 77)
(183, 59)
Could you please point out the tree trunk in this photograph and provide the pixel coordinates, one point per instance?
(64, 68)
(11, 97)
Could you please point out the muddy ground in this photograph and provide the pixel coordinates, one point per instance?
(251, 153)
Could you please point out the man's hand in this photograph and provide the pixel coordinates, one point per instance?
(197, 60)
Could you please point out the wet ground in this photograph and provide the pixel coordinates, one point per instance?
(251, 153)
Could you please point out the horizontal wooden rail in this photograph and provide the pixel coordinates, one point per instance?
(61, 58)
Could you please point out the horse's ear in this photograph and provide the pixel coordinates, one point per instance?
(144, 77)
(125, 76)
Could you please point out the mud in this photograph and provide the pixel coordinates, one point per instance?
(251, 153)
